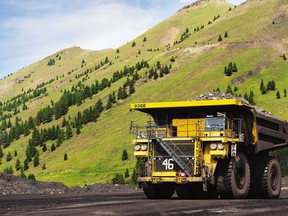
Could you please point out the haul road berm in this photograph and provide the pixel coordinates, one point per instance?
(208, 149)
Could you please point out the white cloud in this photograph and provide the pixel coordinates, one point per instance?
(33, 29)
(92, 26)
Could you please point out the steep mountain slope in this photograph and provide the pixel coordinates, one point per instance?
(188, 42)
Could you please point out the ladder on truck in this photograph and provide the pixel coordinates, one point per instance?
(188, 170)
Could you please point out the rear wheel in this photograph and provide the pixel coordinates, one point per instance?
(266, 181)
(271, 182)
(158, 191)
(233, 177)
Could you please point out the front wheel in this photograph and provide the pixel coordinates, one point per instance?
(233, 177)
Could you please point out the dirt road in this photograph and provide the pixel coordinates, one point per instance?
(135, 203)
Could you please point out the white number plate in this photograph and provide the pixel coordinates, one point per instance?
(168, 163)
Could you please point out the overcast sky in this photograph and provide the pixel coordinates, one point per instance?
(31, 30)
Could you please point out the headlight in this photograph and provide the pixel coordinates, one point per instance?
(144, 147)
(220, 146)
(213, 146)
(137, 147)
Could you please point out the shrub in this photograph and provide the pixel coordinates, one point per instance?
(31, 176)
(118, 179)
(8, 157)
(8, 170)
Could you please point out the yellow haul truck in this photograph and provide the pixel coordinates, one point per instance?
(208, 148)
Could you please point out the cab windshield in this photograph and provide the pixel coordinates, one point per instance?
(215, 123)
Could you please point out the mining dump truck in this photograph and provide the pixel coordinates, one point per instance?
(208, 149)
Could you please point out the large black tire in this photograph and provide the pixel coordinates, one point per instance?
(233, 177)
(271, 182)
(158, 191)
(266, 178)
(195, 191)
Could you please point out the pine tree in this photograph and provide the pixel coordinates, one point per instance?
(1, 152)
(131, 88)
(65, 156)
(251, 98)
(53, 148)
(36, 159)
(78, 130)
(284, 92)
(69, 132)
(31, 124)
(126, 173)
(22, 174)
(99, 105)
(262, 87)
(18, 165)
(8, 157)
(120, 93)
(246, 96)
(261, 84)
(235, 69)
(220, 38)
(109, 102)
(137, 171)
(155, 77)
(229, 90)
(64, 122)
(124, 155)
(278, 95)
(44, 148)
(226, 34)
(26, 165)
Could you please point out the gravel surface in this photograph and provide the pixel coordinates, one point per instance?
(223, 96)
(10, 184)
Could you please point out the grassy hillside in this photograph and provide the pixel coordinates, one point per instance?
(188, 41)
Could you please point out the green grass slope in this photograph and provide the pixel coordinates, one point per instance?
(256, 42)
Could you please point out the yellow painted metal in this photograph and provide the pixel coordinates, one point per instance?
(164, 174)
(140, 153)
(188, 127)
(178, 104)
(197, 157)
(140, 141)
(178, 180)
(178, 138)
